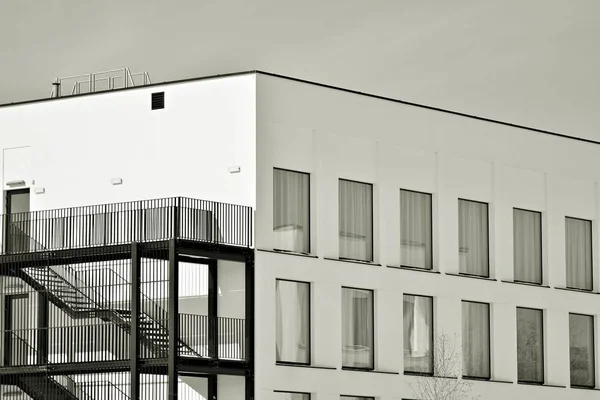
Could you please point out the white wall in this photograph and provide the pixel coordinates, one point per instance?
(333, 135)
(79, 144)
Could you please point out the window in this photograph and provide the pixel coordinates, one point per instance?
(476, 339)
(415, 229)
(473, 238)
(527, 244)
(357, 328)
(292, 396)
(17, 225)
(293, 321)
(356, 220)
(356, 398)
(418, 334)
(291, 210)
(581, 344)
(530, 345)
(579, 253)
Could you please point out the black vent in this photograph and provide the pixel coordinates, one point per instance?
(158, 100)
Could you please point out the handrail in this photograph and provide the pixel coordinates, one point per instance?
(106, 383)
(77, 391)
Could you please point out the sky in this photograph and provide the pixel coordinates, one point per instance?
(528, 62)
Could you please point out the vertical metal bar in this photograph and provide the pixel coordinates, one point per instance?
(249, 314)
(42, 327)
(91, 85)
(212, 387)
(135, 297)
(173, 319)
(213, 296)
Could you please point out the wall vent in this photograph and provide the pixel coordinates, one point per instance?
(158, 100)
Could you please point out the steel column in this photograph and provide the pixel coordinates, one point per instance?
(42, 328)
(134, 344)
(213, 296)
(173, 319)
(249, 275)
(212, 387)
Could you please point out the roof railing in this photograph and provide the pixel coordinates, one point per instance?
(99, 81)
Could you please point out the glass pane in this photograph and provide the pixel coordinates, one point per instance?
(473, 237)
(292, 396)
(527, 238)
(530, 345)
(291, 215)
(357, 328)
(418, 334)
(579, 253)
(356, 220)
(19, 239)
(581, 341)
(476, 339)
(293, 322)
(415, 229)
(355, 398)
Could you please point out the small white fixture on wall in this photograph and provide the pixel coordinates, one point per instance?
(39, 190)
(116, 181)
(17, 182)
(235, 169)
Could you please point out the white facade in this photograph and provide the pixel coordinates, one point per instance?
(74, 147)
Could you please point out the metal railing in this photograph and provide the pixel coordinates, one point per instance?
(222, 337)
(123, 223)
(99, 81)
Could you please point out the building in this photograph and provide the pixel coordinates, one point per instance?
(340, 236)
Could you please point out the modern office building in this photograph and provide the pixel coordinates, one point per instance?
(254, 236)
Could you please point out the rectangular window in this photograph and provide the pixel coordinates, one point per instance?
(291, 210)
(292, 396)
(356, 398)
(476, 339)
(415, 230)
(418, 334)
(579, 253)
(357, 328)
(293, 321)
(356, 220)
(581, 345)
(527, 244)
(530, 345)
(473, 238)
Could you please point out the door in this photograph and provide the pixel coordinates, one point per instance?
(17, 336)
(16, 230)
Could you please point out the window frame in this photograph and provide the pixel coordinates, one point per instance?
(591, 255)
(487, 238)
(309, 325)
(541, 246)
(593, 352)
(431, 339)
(372, 358)
(543, 347)
(372, 214)
(489, 340)
(309, 227)
(347, 396)
(430, 228)
(293, 392)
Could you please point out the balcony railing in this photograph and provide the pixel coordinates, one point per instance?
(123, 223)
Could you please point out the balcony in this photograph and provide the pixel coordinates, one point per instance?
(123, 223)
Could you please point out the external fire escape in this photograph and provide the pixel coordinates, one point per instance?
(135, 249)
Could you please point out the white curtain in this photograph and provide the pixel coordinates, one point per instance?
(291, 215)
(292, 396)
(357, 328)
(579, 253)
(527, 237)
(476, 339)
(418, 334)
(581, 344)
(356, 220)
(473, 237)
(293, 315)
(415, 229)
(530, 345)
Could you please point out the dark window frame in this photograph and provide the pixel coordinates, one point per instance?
(541, 245)
(543, 355)
(309, 227)
(487, 215)
(309, 324)
(293, 392)
(431, 339)
(489, 340)
(430, 228)
(373, 327)
(372, 218)
(593, 351)
(592, 250)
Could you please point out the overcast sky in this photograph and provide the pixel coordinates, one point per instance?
(531, 62)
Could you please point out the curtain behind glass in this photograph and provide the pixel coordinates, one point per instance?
(356, 220)
(292, 317)
(357, 328)
(527, 237)
(530, 345)
(473, 237)
(476, 339)
(415, 229)
(579, 253)
(581, 343)
(418, 334)
(291, 214)
(292, 396)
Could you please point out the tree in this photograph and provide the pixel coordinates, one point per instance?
(446, 382)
